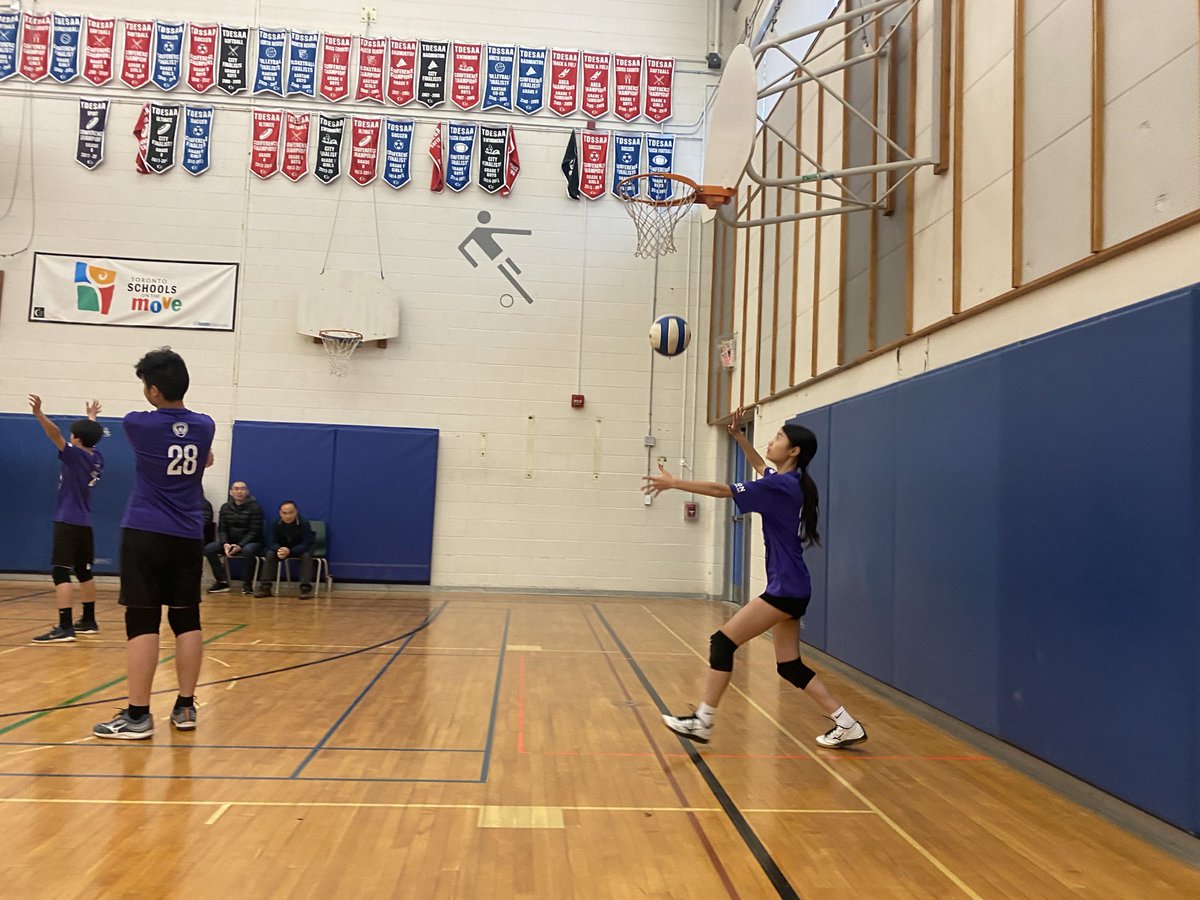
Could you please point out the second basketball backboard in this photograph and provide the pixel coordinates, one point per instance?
(731, 124)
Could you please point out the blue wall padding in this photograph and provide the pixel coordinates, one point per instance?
(1015, 540)
(373, 487)
(29, 487)
(814, 622)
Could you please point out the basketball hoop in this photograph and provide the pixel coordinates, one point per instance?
(339, 347)
(655, 220)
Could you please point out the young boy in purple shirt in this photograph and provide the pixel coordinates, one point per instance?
(73, 545)
(162, 543)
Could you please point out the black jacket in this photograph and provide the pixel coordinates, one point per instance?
(298, 537)
(240, 524)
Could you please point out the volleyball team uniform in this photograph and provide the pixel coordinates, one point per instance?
(162, 531)
(73, 545)
(778, 500)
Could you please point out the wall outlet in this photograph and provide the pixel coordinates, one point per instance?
(647, 499)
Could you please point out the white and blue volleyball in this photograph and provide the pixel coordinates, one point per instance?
(670, 335)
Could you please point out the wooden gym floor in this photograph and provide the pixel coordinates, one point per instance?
(493, 746)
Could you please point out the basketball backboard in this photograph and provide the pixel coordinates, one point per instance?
(349, 301)
(731, 124)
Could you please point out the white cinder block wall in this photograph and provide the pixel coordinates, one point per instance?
(531, 493)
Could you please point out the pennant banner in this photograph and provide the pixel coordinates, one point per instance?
(570, 166)
(660, 84)
(371, 53)
(660, 157)
(627, 162)
(264, 144)
(464, 83)
(135, 52)
(35, 47)
(141, 131)
(330, 131)
(431, 86)
(493, 142)
(272, 47)
(302, 63)
(98, 52)
(397, 152)
(402, 68)
(564, 81)
(202, 57)
(64, 52)
(531, 79)
(497, 91)
(162, 125)
(10, 25)
(168, 54)
(93, 118)
(596, 68)
(295, 146)
(364, 148)
(335, 66)
(197, 137)
(458, 159)
(437, 180)
(231, 60)
(593, 172)
(627, 90)
(513, 168)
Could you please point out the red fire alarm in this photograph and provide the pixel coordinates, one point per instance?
(691, 511)
(577, 401)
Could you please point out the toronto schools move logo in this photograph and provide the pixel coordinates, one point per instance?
(94, 287)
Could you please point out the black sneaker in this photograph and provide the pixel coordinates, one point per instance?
(306, 592)
(219, 587)
(56, 635)
(86, 626)
(264, 591)
(248, 589)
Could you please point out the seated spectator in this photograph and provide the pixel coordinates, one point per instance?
(210, 525)
(290, 537)
(239, 534)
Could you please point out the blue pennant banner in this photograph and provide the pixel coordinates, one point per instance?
(458, 156)
(660, 154)
(302, 63)
(197, 134)
(498, 81)
(627, 162)
(168, 51)
(272, 45)
(397, 152)
(64, 47)
(10, 22)
(531, 80)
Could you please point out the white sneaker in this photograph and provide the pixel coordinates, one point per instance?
(691, 727)
(838, 737)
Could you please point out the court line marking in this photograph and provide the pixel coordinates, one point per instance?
(221, 661)
(491, 732)
(891, 823)
(220, 812)
(12, 650)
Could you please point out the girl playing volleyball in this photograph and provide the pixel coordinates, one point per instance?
(785, 497)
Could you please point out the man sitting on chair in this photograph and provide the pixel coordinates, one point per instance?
(290, 537)
(239, 534)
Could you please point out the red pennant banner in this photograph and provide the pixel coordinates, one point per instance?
(335, 66)
(141, 131)
(402, 71)
(201, 57)
(98, 51)
(596, 67)
(660, 82)
(513, 169)
(364, 148)
(627, 100)
(295, 146)
(464, 77)
(593, 170)
(35, 47)
(371, 54)
(135, 52)
(264, 145)
(564, 81)
(437, 181)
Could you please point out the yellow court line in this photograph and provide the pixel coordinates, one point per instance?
(220, 812)
(13, 650)
(221, 661)
(895, 826)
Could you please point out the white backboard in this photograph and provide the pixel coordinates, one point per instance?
(349, 301)
(732, 124)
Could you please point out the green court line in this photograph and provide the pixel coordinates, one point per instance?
(104, 686)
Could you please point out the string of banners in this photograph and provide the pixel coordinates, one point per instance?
(309, 64)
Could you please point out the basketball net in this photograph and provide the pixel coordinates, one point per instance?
(339, 347)
(655, 220)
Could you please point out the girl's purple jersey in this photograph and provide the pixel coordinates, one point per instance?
(80, 472)
(778, 500)
(172, 447)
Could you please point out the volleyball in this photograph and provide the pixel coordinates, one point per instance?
(670, 335)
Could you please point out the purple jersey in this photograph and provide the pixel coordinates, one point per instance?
(778, 499)
(172, 447)
(80, 472)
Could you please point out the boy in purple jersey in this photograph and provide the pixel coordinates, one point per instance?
(73, 545)
(162, 543)
(785, 497)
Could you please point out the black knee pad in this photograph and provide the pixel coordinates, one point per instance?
(61, 575)
(795, 671)
(183, 619)
(720, 652)
(83, 572)
(141, 620)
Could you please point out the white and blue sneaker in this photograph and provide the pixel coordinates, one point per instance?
(56, 635)
(691, 727)
(124, 728)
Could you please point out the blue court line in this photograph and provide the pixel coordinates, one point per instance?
(237, 778)
(116, 745)
(487, 753)
(363, 693)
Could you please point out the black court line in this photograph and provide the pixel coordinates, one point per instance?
(770, 868)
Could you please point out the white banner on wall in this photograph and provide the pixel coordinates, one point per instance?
(143, 293)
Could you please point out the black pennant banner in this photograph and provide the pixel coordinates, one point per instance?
(330, 133)
(431, 86)
(93, 117)
(492, 143)
(231, 60)
(163, 125)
